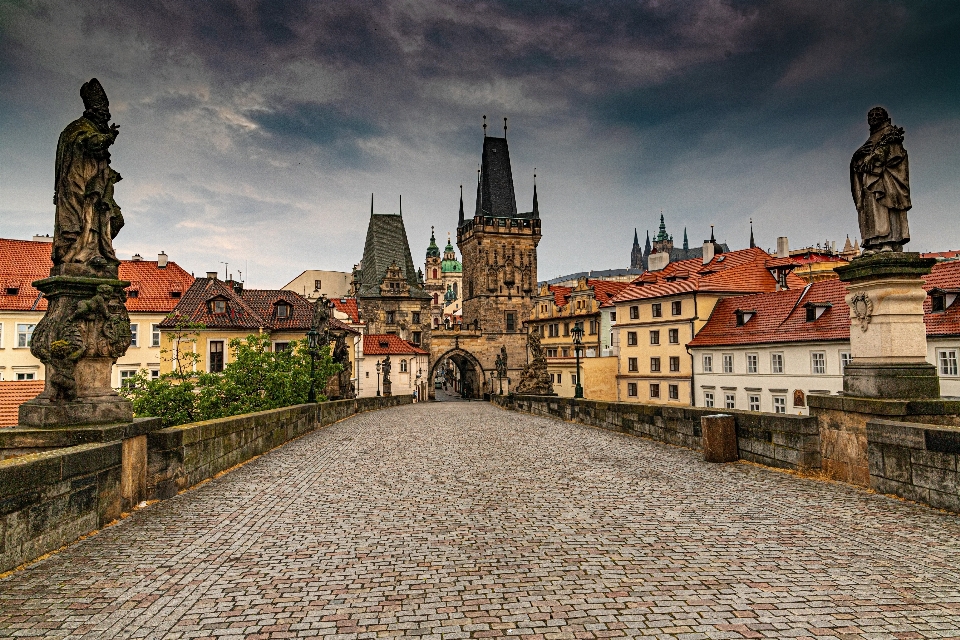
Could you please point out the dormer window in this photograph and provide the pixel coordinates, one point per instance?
(283, 311)
(744, 316)
(816, 309)
(12, 291)
(217, 306)
(133, 293)
(942, 299)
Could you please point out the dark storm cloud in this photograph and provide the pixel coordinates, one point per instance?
(626, 107)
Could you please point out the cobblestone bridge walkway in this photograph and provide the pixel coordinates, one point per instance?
(461, 520)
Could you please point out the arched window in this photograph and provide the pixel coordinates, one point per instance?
(403, 366)
(436, 298)
(434, 274)
(456, 291)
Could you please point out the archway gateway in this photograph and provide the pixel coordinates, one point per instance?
(468, 377)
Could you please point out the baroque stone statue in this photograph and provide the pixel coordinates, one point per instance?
(880, 182)
(86, 326)
(87, 218)
(534, 379)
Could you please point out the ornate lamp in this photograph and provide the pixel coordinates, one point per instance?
(577, 333)
(379, 367)
(313, 338)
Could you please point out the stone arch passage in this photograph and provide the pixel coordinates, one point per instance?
(470, 371)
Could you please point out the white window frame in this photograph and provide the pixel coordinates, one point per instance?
(754, 360)
(26, 375)
(818, 363)
(777, 362)
(27, 334)
(708, 399)
(779, 404)
(155, 335)
(730, 400)
(753, 400)
(210, 342)
(727, 362)
(845, 359)
(124, 375)
(947, 362)
(134, 334)
(707, 362)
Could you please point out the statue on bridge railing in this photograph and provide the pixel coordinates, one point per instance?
(534, 379)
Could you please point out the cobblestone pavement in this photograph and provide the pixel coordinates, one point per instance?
(461, 520)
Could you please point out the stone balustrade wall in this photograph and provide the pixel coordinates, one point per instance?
(776, 440)
(918, 462)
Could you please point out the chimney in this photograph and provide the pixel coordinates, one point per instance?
(162, 260)
(212, 275)
(658, 260)
(783, 247)
(136, 258)
(707, 251)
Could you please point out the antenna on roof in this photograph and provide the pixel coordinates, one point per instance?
(484, 126)
(226, 265)
(504, 128)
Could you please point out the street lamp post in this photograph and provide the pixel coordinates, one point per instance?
(577, 333)
(312, 339)
(378, 378)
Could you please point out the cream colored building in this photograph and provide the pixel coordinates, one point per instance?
(155, 289)
(313, 283)
(409, 366)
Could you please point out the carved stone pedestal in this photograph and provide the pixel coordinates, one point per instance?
(85, 329)
(888, 340)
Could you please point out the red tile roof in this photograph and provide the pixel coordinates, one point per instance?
(942, 254)
(561, 295)
(779, 317)
(24, 261)
(743, 271)
(12, 395)
(944, 275)
(603, 291)
(388, 344)
(349, 307)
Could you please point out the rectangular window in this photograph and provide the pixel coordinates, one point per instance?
(593, 327)
(776, 363)
(391, 317)
(676, 307)
(316, 285)
(134, 330)
(216, 356)
(566, 328)
(416, 317)
(126, 378)
(655, 337)
(655, 365)
(654, 390)
(24, 335)
(417, 336)
(730, 400)
(632, 338)
(728, 363)
(283, 311)
(779, 404)
(219, 306)
(28, 375)
(673, 336)
(845, 359)
(632, 364)
(656, 310)
(613, 316)
(511, 321)
(551, 353)
(565, 352)
(634, 313)
(707, 363)
(281, 346)
(154, 335)
(674, 363)
(708, 399)
(632, 389)
(818, 363)
(674, 391)
(938, 303)
(154, 374)
(754, 402)
(948, 362)
(558, 378)
(752, 361)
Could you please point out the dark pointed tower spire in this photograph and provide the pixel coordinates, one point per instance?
(479, 196)
(484, 126)
(647, 248)
(636, 240)
(504, 128)
(371, 205)
(536, 203)
(753, 245)
(686, 243)
(460, 224)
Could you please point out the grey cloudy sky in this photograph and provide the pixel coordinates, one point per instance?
(254, 132)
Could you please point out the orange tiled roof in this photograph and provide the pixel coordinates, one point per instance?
(12, 395)
(605, 290)
(561, 295)
(349, 307)
(24, 261)
(941, 254)
(251, 309)
(944, 275)
(743, 271)
(388, 344)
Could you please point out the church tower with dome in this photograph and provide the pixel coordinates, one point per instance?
(444, 282)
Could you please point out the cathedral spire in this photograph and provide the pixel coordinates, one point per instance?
(479, 197)
(536, 204)
(636, 241)
(460, 224)
(647, 248)
(753, 244)
(686, 243)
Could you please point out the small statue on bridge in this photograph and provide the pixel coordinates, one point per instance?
(534, 379)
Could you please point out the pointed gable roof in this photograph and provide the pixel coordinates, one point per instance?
(498, 197)
(386, 245)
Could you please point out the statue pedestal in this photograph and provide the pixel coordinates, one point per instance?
(83, 332)
(888, 339)
(387, 389)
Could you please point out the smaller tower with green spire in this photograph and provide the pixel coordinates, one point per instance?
(663, 242)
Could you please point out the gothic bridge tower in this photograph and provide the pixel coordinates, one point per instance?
(498, 246)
